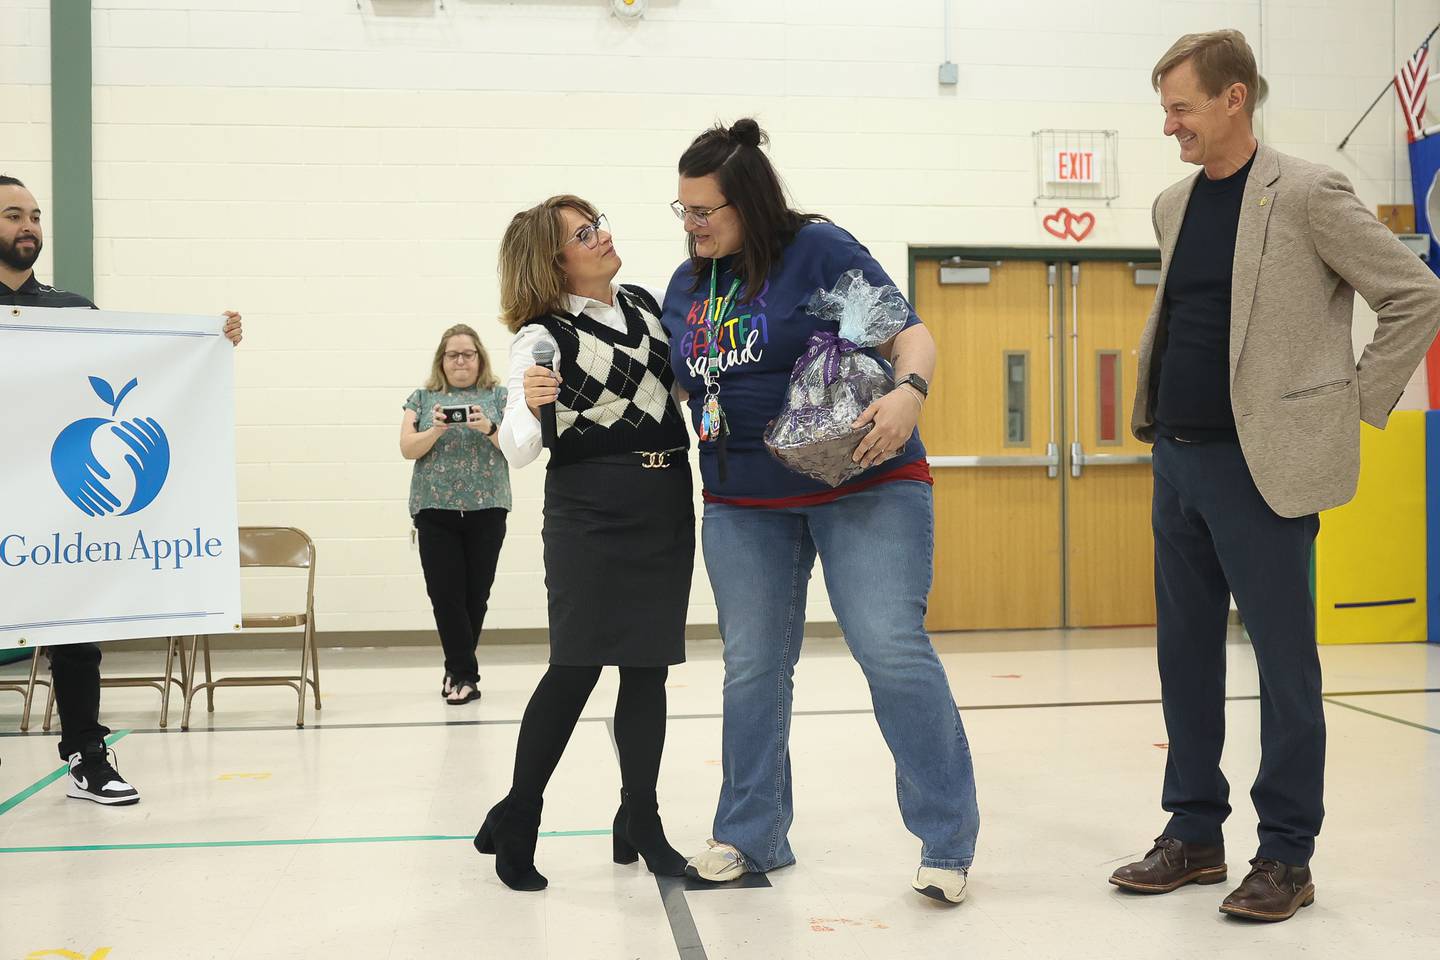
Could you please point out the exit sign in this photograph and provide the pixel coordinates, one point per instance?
(1075, 166)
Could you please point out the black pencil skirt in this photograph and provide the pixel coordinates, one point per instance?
(619, 556)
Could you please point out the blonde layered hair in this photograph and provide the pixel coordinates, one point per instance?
(1220, 58)
(485, 378)
(532, 282)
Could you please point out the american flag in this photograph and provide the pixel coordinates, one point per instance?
(1410, 84)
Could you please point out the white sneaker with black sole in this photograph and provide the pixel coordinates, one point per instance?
(721, 863)
(94, 777)
(947, 886)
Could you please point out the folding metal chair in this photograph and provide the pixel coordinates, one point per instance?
(174, 650)
(272, 547)
(27, 690)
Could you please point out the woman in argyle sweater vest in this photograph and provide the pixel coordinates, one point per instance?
(619, 533)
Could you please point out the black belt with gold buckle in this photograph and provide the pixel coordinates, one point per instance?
(647, 459)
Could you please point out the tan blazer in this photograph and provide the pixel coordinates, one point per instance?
(1305, 245)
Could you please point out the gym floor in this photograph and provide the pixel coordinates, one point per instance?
(351, 838)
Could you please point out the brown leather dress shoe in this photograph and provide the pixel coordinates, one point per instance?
(1171, 864)
(1271, 891)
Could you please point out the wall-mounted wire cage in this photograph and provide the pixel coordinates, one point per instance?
(1077, 165)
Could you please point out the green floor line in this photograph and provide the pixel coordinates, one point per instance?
(48, 779)
(301, 842)
(1383, 716)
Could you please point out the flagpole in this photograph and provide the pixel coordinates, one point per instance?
(1384, 91)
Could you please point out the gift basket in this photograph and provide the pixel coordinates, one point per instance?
(835, 380)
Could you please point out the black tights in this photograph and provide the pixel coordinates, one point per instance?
(555, 708)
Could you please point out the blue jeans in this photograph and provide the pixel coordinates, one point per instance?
(876, 548)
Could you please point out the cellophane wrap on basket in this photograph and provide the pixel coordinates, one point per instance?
(834, 381)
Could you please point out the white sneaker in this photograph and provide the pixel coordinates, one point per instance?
(92, 777)
(719, 864)
(947, 886)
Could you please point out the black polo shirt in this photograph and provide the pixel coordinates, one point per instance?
(33, 293)
(1193, 397)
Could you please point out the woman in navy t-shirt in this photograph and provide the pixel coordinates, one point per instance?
(735, 313)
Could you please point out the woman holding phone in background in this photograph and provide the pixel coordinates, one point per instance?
(459, 496)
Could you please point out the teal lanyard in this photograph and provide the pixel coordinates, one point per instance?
(712, 417)
(719, 312)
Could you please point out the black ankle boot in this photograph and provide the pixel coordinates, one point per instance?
(619, 842)
(644, 834)
(485, 837)
(510, 831)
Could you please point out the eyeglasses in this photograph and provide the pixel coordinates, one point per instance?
(700, 216)
(457, 356)
(589, 235)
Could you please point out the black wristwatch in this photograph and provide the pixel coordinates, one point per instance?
(494, 428)
(916, 381)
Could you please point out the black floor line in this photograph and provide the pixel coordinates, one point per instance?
(860, 711)
(682, 922)
(1382, 716)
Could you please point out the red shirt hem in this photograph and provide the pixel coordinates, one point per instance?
(918, 470)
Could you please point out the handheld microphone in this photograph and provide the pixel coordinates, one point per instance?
(545, 357)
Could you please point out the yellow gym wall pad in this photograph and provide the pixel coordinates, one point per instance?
(1370, 575)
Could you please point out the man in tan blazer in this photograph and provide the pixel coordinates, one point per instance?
(1249, 390)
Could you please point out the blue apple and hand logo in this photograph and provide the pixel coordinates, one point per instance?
(82, 476)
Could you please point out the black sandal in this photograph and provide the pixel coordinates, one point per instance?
(472, 685)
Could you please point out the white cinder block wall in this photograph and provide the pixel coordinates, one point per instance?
(343, 175)
(25, 98)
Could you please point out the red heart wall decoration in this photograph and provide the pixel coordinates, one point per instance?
(1057, 224)
(1067, 225)
(1080, 225)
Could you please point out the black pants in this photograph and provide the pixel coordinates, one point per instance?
(1215, 536)
(555, 707)
(75, 671)
(458, 552)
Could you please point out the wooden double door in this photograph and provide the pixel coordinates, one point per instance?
(1042, 496)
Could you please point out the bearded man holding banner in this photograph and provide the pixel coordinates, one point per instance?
(74, 667)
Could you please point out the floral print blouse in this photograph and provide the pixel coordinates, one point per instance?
(464, 470)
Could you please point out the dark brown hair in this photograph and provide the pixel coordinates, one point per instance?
(750, 184)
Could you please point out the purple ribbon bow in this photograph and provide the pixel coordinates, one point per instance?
(827, 347)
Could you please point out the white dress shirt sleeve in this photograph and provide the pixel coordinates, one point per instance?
(520, 431)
